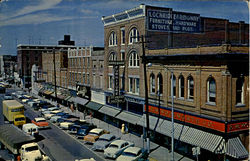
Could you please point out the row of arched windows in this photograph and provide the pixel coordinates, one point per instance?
(134, 60)
(211, 88)
(133, 37)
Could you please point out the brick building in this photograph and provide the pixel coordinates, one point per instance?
(204, 105)
(85, 73)
(27, 55)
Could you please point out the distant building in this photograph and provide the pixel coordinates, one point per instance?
(210, 84)
(66, 41)
(7, 65)
(27, 55)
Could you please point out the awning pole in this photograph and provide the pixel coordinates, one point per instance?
(172, 112)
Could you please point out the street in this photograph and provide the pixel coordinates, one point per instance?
(57, 144)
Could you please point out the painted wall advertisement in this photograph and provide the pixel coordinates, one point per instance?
(172, 21)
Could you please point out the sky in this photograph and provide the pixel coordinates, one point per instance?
(45, 22)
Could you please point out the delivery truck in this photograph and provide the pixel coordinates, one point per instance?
(20, 144)
(13, 111)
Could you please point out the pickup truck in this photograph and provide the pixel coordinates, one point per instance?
(20, 144)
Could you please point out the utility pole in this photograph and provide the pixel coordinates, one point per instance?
(55, 71)
(144, 61)
(172, 112)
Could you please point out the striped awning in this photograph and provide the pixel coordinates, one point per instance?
(155, 122)
(236, 149)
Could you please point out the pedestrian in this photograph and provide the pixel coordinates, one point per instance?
(18, 158)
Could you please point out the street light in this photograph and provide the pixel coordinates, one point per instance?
(172, 112)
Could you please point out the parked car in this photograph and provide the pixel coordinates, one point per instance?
(132, 154)
(103, 141)
(91, 159)
(54, 118)
(8, 97)
(40, 122)
(94, 134)
(81, 130)
(65, 125)
(116, 148)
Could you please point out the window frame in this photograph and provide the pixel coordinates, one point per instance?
(210, 92)
(134, 60)
(181, 87)
(133, 35)
(113, 39)
(152, 83)
(173, 85)
(240, 91)
(189, 88)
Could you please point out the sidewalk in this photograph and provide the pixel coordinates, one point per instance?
(158, 153)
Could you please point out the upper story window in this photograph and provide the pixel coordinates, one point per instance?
(123, 36)
(112, 56)
(173, 86)
(190, 87)
(122, 55)
(240, 91)
(211, 90)
(181, 86)
(160, 83)
(134, 59)
(133, 35)
(113, 39)
(110, 82)
(152, 83)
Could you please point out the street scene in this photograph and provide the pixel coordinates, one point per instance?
(124, 80)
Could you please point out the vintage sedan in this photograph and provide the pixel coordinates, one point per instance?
(116, 148)
(94, 134)
(40, 122)
(103, 141)
(132, 154)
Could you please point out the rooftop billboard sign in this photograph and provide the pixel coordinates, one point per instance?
(172, 21)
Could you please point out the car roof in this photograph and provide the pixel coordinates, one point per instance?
(29, 125)
(107, 136)
(39, 119)
(96, 130)
(118, 142)
(133, 150)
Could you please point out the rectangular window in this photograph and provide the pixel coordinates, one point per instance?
(123, 36)
(88, 82)
(101, 79)
(137, 85)
(83, 78)
(122, 55)
(94, 84)
(131, 82)
(110, 85)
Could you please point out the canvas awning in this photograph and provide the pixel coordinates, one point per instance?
(110, 111)
(154, 122)
(129, 117)
(94, 106)
(236, 149)
(81, 101)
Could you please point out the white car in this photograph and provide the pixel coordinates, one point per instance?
(65, 125)
(116, 148)
(131, 154)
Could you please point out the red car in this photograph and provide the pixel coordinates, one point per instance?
(40, 122)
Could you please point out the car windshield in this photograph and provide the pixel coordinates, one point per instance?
(113, 146)
(129, 154)
(20, 119)
(103, 139)
(32, 148)
(93, 133)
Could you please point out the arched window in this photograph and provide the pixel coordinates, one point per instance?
(173, 86)
(152, 83)
(181, 86)
(240, 91)
(112, 39)
(211, 90)
(112, 56)
(133, 35)
(134, 59)
(190, 87)
(160, 83)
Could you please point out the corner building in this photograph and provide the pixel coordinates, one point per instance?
(210, 91)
